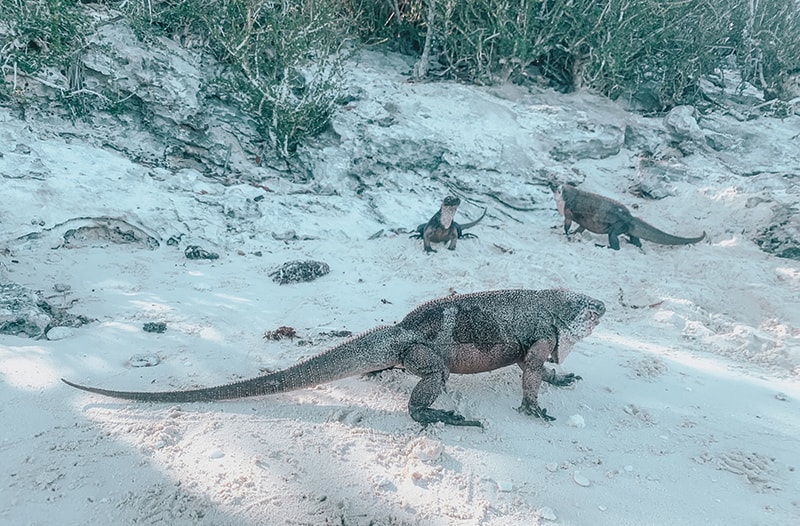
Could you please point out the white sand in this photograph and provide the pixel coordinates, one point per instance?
(687, 412)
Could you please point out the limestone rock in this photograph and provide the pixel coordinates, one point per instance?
(24, 312)
(590, 141)
(782, 236)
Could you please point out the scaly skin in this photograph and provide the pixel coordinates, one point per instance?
(602, 215)
(462, 334)
(441, 228)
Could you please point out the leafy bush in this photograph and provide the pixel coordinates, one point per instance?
(35, 35)
(615, 46)
(665, 47)
(284, 58)
(768, 43)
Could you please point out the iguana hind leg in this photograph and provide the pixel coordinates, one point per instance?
(633, 240)
(417, 234)
(433, 372)
(452, 237)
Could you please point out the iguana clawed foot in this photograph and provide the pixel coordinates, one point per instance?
(426, 415)
(530, 409)
(560, 380)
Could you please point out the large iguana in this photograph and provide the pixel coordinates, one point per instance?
(602, 215)
(441, 228)
(463, 334)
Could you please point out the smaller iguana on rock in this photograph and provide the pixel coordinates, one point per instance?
(602, 215)
(462, 334)
(441, 228)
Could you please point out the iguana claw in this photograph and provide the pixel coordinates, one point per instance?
(426, 415)
(534, 410)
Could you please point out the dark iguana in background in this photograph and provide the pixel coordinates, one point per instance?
(463, 334)
(441, 228)
(602, 215)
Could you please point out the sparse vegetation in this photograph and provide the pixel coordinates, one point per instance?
(283, 59)
(41, 34)
(37, 36)
(767, 38)
(617, 47)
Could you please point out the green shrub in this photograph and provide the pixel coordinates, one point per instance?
(284, 58)
(399, 25)
(767, 39)
(665, 46)
(35, 35)
(614, 46)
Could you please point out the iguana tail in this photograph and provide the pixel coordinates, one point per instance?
(647, 231)
(472, 224)
(370, 351)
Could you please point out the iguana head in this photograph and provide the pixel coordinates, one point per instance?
(451, 200)
(448, 210)
(579, 314)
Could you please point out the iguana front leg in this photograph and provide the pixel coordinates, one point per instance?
(569, 234)
(426, 239)
(567, 225)
(533, 372)
(424, 362)
(613, 240)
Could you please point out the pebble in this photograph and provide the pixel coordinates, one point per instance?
(59, 333)
(215, 453)
(144, 360)
(505, 486)
(580, 480)
(384, 483)
(547, 513)
(576, 421)
(426, 449)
